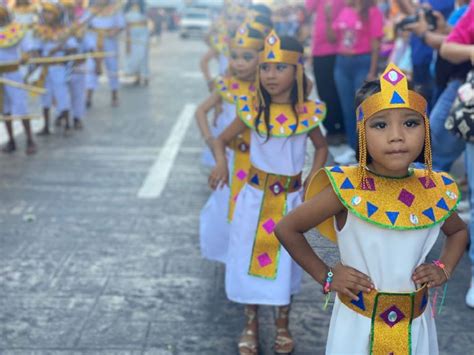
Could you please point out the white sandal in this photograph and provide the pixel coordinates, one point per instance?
(284, 343)
(248, 343)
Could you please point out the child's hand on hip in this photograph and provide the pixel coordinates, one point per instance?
(350, 282)
(429, 274)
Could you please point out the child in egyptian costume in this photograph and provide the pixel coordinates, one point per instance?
(106, 25)
(280, 119)
(25, 13)
(52, 38)
(385, 216)
(14, 46)
(218, 211)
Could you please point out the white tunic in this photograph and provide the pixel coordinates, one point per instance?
(214, 228)
(283, 156)
(137, 60)
(389, 257)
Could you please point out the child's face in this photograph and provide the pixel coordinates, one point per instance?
(277, 78)
(244, 63)
(395, 138)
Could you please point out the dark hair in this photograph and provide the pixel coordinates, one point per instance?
(253, 33)
(264, 20)
(262, 9)
(365, 6)
(368, 89)
(141, 4)
(289, 44)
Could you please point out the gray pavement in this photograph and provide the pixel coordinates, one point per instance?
(86, 267)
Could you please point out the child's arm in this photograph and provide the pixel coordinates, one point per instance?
(201, 116)
(220, 174)
(204, 64)
(321, 154)
(454, 247)
(290, 231)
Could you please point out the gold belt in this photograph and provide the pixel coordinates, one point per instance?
(391, 315)
(266, 249)
(240, 168)
(143, 23)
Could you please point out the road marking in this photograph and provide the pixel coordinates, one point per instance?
(158, 175)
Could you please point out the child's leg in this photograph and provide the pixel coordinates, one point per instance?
(63, 101)
(248, 343)
(91, 80)
(111, 63)
(78, 98)
(284, 343)
(30, 143)
(10, 147)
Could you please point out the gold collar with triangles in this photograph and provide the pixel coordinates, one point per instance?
(284, 122)
(11, 34)
(230, 88)
(406, 203)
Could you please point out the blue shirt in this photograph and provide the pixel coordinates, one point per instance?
(421, 54)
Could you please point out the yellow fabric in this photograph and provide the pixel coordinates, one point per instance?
(272, 52)
(51, 7)
(242, 39)
(230, 88)
(240, 169)
(403, 204)
(399, 309)
(284, 122)
(266, 248)
(49, 33)
(11, 34)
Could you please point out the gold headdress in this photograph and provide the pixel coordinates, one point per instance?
(51, 7)
(243, 40)
(4, 10)
(272, 53)
(394, 94)
(67, 3)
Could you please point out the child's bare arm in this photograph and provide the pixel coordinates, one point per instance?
(321, 154)
(204, 64)
(290, 231)
(454, 247)
(220, 174)
(201, 116)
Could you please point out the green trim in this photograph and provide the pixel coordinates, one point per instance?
(386, 226)
(372, 322)
(251, 125)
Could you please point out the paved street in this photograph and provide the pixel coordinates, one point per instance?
(89, 263)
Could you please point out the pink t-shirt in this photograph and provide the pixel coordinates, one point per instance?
(321, 45)
(463, 32)
(354, 36)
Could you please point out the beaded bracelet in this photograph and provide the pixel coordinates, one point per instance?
(439, 264)
(327, 288)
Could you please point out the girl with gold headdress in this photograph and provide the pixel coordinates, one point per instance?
(218, 211)
(52, 39)
(105, 26)
(25, 13)
(14, 44)
(385, 216)
(258, 270)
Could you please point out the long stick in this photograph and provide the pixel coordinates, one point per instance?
(69, 58)
(16, 84)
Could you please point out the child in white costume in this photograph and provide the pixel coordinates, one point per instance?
(138, 40)
(218, 211)
(51, 39)
(106, 25)
(25, 13)
(14, 44)
(385, 217)
(258, 270)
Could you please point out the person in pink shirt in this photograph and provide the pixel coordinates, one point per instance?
(358, 30)
(459, 48)
(324, 50)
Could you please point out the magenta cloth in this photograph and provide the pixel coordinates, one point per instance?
(354, 36)
(463, 32)
(321, 46)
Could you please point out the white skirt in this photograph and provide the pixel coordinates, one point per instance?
(242, 287)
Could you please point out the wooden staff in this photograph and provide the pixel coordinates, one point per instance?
(16, 84)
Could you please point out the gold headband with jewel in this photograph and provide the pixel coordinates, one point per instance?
(243, 40)
(51, 7)
(394, 94)
(272, 53)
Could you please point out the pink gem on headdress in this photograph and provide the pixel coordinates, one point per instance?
(393, 77)
(269, 226)
(235, 86)
(272, 40)
(264, 259)
(282, 119)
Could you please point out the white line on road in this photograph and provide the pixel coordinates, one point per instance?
(158, 175)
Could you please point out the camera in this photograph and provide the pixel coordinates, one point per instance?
(429, 16)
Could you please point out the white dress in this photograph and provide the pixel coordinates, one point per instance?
(137, 60)
(389, 257)
(284, 156)
(214, 227)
